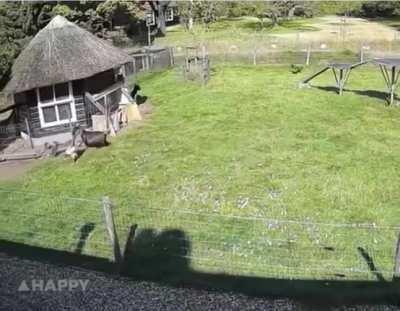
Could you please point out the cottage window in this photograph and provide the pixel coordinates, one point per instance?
(169, 15)
(56, 104)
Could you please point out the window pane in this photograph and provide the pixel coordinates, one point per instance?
(169, 16)
(64, 111)
(49, 114)
(62, 90)
(46, 94)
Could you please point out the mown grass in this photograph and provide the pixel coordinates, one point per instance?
(250, 143)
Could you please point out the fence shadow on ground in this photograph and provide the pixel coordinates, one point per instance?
(164, 257)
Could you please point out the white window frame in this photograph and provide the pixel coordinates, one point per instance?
(169, 15)
(54, 103)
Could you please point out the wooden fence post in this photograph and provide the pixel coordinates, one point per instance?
(254, 57)
(143, 62)
(134, 65)
(308, 56)
(112, 232)
(396, 272)
(171, 56)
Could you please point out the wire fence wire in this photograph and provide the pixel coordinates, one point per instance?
(212, 242)
(55, 222)
(206, 242)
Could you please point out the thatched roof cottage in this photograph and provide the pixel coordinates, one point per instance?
(51, 76)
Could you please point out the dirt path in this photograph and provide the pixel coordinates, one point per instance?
(335, 28)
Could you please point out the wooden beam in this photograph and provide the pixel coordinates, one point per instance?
(19, 156)
(95, 103)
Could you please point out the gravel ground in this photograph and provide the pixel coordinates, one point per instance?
(104, 292)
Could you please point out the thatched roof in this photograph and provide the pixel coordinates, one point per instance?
(62, 52)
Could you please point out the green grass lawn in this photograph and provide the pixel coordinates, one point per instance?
(250, 143)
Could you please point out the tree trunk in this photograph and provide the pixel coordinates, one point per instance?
(162, 28)
(274, 19)
(190, 23)
(291, 12)
(190, 18)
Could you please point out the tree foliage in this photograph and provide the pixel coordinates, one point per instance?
(202, 11)
(117, 11)
(379, 9)
(19, 21)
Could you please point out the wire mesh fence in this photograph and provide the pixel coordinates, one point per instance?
(54, 222)
(268, 49)
(282, 57)
(263, 247)
(205, 242)
(149, 59)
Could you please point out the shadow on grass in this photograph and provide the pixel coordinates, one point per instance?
(164, 257)
(84, 235)
(368, 93)
(371, 265)
(332, 89)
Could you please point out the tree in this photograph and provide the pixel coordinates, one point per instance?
(19, 21)
(380, 9)
(185, 11)
(159, 8)
(12, 36)
(202, 11)
(120, 12)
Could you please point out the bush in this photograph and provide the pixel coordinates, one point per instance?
(380, 9)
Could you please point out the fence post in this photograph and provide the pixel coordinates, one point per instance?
(361, 53)
(171, 56)
(112, 232)
(148, 60)
(254, 57)
(308, 55)
(396, 272)
(143, 62)
(134, 65)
